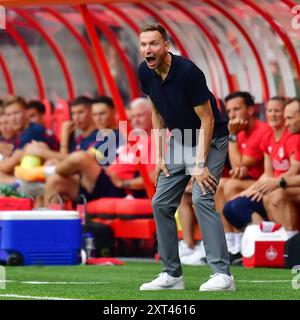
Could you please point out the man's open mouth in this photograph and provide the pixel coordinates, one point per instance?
(150, 59)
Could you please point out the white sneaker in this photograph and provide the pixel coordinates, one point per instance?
(184, 249)
(164, 282)
(219, 282)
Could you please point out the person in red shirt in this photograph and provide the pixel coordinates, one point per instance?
(297, 150)
(278, 147)
(245, 156)
(279, 150)
(281, 195)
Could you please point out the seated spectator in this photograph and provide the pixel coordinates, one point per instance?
(278, 147)
(25, 132)
(36, 113)
(245, 155)
(107, 140)
(15, 111)
(79, 174)
(281, 194)
(7, 135)
(6, 146)
(80, 132)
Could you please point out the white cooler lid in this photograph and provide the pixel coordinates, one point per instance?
(39, 215)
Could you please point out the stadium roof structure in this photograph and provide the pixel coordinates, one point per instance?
(63, 48)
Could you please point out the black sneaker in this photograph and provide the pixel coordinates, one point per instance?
(236, 259)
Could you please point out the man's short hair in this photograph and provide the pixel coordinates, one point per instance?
(37, 105)
(279, 99)
(14, 99)
(247, 97)
(291, 100)
(155, 27)
(139, 102)
(106, 100)
(86, 101)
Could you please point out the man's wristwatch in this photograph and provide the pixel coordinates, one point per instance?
(282, 183)
(233, 137)
(200, 164)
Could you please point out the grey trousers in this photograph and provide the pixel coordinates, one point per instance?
(167, 199)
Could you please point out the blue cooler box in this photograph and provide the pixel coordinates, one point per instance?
(45, 237)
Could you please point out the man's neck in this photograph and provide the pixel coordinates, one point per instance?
(24, 127)
(164, 68)
(88, 131)
(279, 132)
(250, 125)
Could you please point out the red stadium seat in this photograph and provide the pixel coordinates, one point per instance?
(129, 218)
(61, 114)
(48, 114)
(121, 208)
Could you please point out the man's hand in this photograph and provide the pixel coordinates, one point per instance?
(236, 125)
(262, 187)
(67, 128)
(251, 193)
(239, 172)
(160, 166)
(266, 185)
(6, 148)
(205, 179)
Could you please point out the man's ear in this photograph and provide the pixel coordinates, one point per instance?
(167, 45)
(251, 111)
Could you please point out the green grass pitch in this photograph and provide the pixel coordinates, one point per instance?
(122, 283)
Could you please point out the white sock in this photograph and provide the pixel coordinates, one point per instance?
(229, 236)
(49, 170)
(237, 242)
(291, 233)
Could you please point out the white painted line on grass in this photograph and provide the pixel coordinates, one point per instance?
(33, 297)
(61, 282)
(55, 282)
(263, 281)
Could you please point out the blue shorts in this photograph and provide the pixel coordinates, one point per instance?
(103, 188)
(239, 211)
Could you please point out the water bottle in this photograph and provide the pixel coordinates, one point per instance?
(89, 245)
